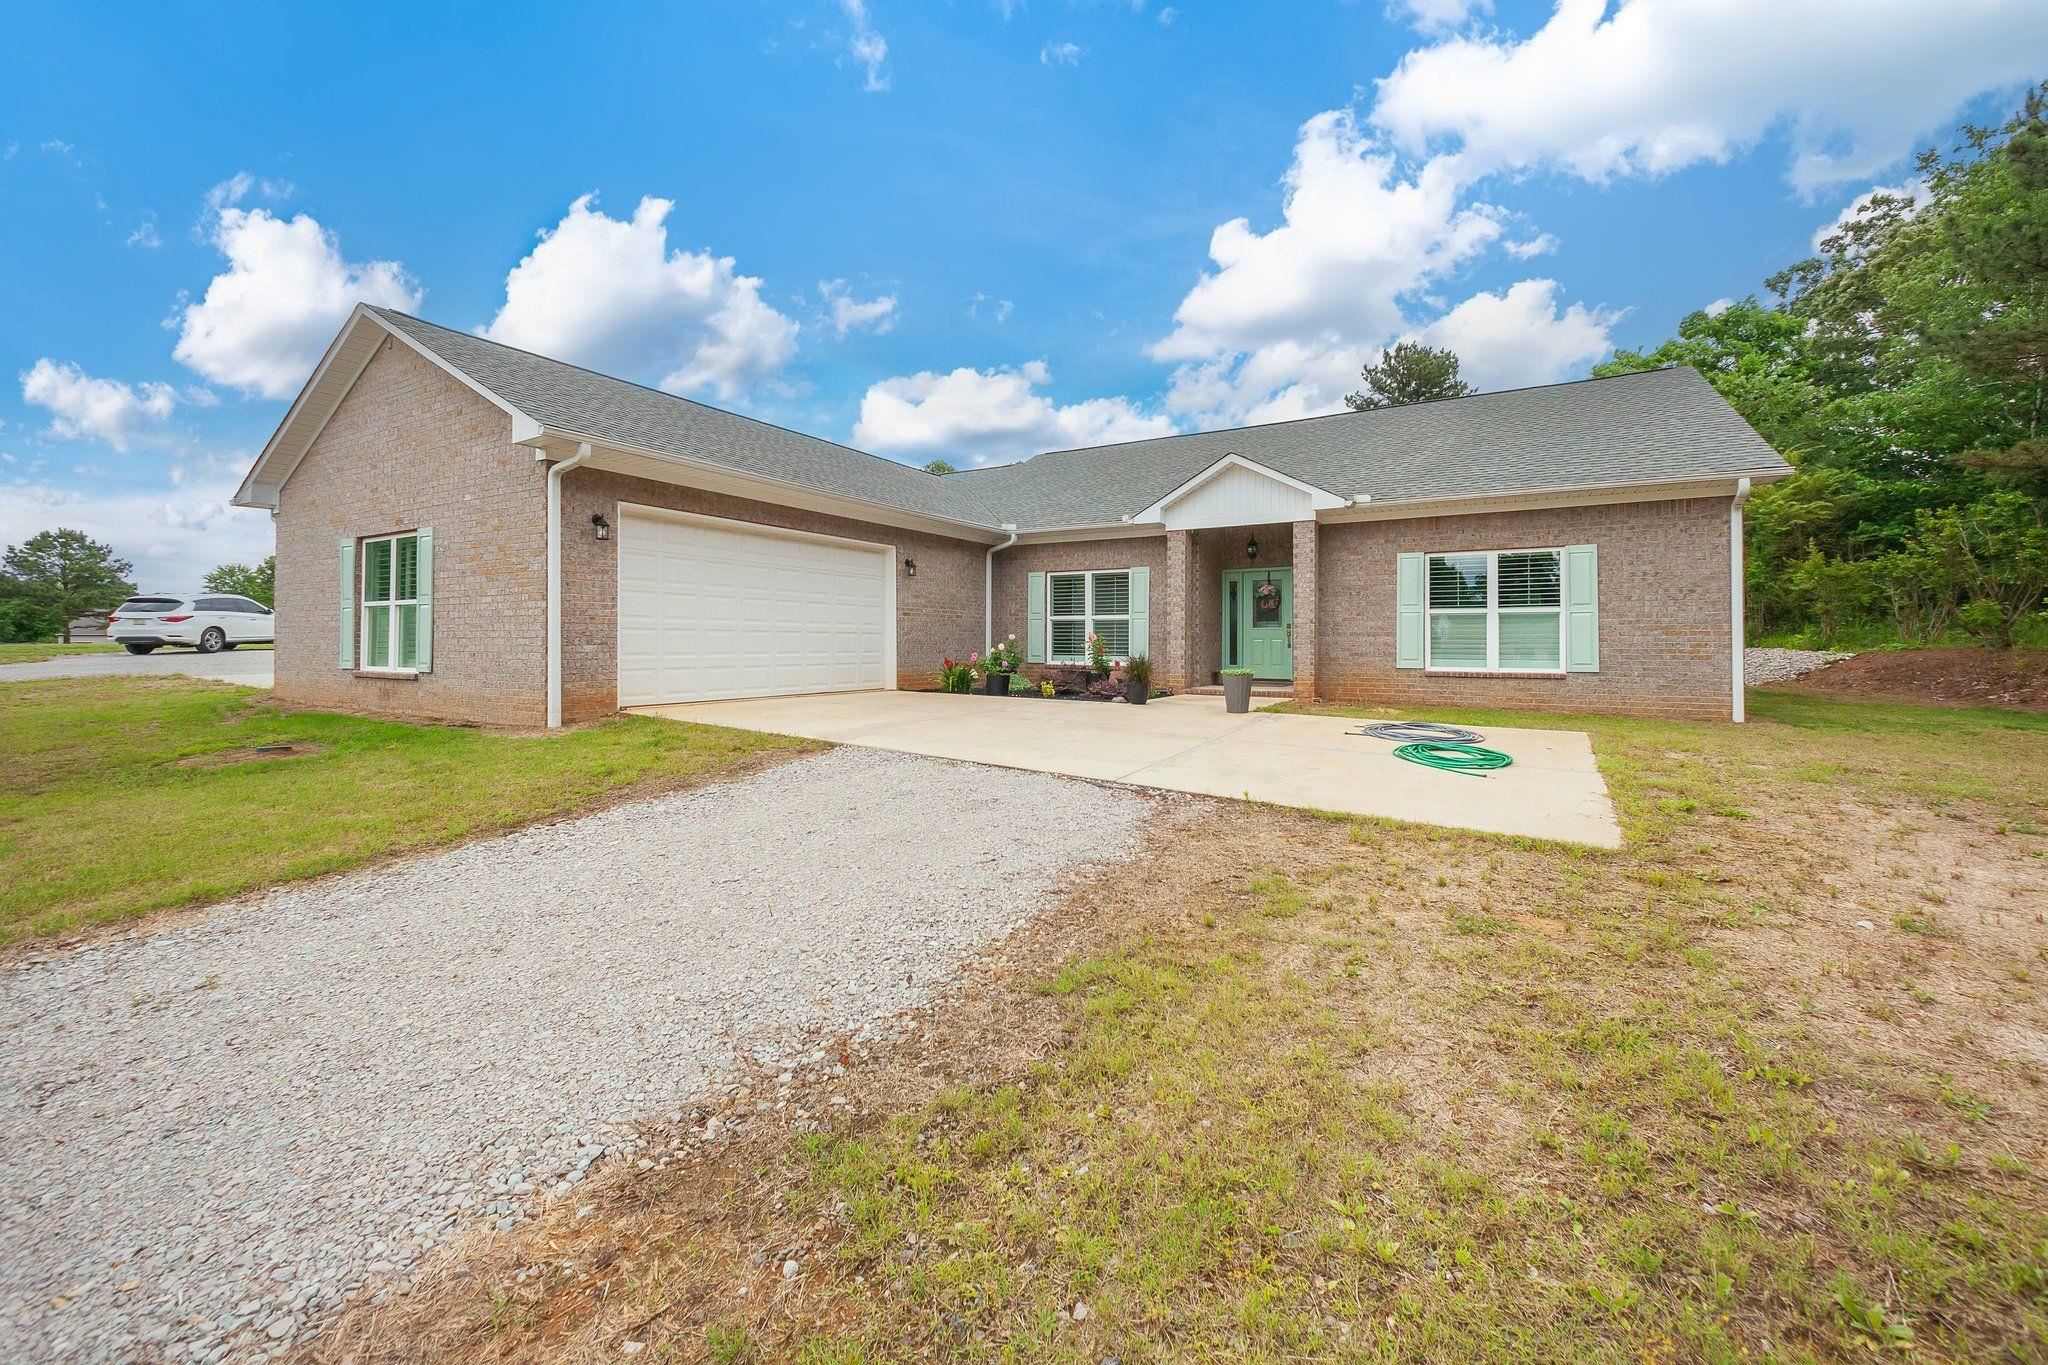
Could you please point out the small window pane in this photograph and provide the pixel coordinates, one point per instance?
(1531, 580)
(379, 655)
(1457, 640)
(1112, 594)
(377, 571)
(1457, 580)
(1069, 594)
(1069, 639)
(1116, 637)
(1528, 639)
(408, 637)
(408, 567)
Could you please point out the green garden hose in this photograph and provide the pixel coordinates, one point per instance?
(1454, 758)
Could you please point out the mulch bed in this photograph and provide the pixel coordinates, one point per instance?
(2016, 678)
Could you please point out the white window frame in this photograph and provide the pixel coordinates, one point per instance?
(394, 603)
(1088, 617)
(1493, 611)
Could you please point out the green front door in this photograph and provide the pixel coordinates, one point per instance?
(1258, 622)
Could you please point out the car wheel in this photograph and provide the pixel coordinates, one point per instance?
(212, 640)
(139, 649)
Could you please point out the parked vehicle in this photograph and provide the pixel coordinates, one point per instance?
(208, 624)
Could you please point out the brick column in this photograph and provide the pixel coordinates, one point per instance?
(1170, 664)
(1307, 610)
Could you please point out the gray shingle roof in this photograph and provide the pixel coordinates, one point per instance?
(607, 409)
(1640, 428)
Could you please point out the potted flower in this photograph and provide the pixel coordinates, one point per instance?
(1237, 690)
(1137, 679)
(997, 668)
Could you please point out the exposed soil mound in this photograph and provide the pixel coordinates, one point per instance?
(1939, 677)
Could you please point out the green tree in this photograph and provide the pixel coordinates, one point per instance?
(1409, 372)
(940, 467)
(258, 583)
(65, 572)
(24, 621)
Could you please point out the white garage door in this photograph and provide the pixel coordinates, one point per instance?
(715, 609)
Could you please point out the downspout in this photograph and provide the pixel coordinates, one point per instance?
(555, 473)
(988, 590)
(1737, 625)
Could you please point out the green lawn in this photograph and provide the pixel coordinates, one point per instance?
(35, 654)
(110, 805)
(1765, 1084)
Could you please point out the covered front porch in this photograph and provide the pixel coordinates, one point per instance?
(1247, 597)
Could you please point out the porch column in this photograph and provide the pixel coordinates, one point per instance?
(1170, 664)
(1307, 610)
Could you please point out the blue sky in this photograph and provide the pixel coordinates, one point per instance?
(974, 229)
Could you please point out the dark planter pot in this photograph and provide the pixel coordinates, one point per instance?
(1237, 693)
(1138, 694)
(996, 684)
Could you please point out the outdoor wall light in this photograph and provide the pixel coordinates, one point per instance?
(604, 528)
(1251, 548)
(910, 567)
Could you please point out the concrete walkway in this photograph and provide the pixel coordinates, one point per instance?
(249, 667)
(1191, 744)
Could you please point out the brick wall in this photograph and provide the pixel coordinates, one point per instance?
(411, 447)
(1665, 633)
(1016, 564)
(939, 612)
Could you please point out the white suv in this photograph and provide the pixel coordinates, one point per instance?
(208, 624)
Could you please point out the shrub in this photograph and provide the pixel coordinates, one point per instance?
(955, 677)
(1138, 673)
(1098, 656)
(23, 621)
(1047, 690)
(1020, 686)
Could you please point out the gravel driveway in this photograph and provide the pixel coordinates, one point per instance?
(250, 667)
(214, 1132)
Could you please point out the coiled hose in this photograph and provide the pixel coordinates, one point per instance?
(1413, 731)
(1454, 758)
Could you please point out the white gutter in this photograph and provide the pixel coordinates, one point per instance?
(988, 591)
(1735, 591)
(555, 473)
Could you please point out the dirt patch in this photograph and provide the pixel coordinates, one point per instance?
(2016, 678)
(261, 753)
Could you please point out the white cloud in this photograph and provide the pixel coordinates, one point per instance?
(82, 407)
(145, 234)
(868, 48)
(999, 309)
(1167, 16)
(610, 295)
(1061, 54)
(173, 535)
(1913, 191)
(1718, 306)
(1438, 16)
(1542, 244)
(1520, 337)
(1282, 324)
(266, 319)
(975, 416)
(850, 314)
(1657, 85)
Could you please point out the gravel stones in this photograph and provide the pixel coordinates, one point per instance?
(1764, 666)
(216, 1133)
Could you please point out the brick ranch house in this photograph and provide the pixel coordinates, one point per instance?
(471, 532)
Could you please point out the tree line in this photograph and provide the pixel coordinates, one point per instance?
(55, 577)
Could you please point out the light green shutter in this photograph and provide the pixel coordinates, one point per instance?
(1034, 619)
(426, 599)
(348, 604)
(1410, 577)
(1141, 611)
(1582, 609)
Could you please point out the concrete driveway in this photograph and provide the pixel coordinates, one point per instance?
(1191, 744)
(249, 667)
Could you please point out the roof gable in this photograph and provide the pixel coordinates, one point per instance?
(1235, 491)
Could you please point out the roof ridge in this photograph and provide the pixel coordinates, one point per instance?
(1326, 416)
(650, 388)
